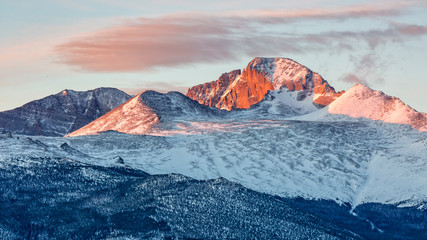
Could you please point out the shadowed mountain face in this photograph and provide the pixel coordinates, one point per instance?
(234, 90)
(62, 113)
(66, 199)
(59, 198)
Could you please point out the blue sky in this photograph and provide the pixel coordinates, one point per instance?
(50, 45)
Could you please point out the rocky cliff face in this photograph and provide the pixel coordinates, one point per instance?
(62, 113)
(260, 76)
(210, 93)
(249, 88)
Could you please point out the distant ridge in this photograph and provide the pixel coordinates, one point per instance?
(61, 113)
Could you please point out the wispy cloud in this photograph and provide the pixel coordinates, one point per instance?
(159, 86)
(368, 69)
(393, 8)
(172, 40)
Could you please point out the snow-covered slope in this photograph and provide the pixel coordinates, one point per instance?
(149, 113)
(354, 162)
(46, 192)
(363, 102)
(336, 155)
(333, 156)
(262, 75)
(132, 117)
(62, 113)
(278, 104)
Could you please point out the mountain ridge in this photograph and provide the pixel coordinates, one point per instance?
(148, 113)
(61, 113)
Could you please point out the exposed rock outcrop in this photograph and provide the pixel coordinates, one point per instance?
(261, 75)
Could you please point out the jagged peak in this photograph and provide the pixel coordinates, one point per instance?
(265, 60)
(265, 63)
(261, 75)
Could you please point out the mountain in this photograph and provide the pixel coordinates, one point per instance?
(363, 102)
(148, 113)
(166, 166)
(61, 113)
(244, 89)
(70, 199)
(335, 155)
(52, 189)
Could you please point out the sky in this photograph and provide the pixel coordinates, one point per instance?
(134, 45)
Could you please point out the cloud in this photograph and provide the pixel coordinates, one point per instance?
(172, 40)
(393, 8)
(368, 69)
(409, 30)
(158, 86)
(351, 78)
(146, 44)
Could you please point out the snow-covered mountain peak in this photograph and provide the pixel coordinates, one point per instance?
(242, 90)
(132, 117)
(149, 113)
(361, 91)
(363, 102)
(283, 72)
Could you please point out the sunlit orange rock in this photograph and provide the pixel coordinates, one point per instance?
(210, 93)
(234, 90)
(246, 91)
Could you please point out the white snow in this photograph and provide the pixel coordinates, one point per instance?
(280, 70)
(334, 154)
(132, 117)
(289, 98)
(344, 162)
(363, 102)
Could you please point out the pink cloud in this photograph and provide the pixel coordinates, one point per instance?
(410, 29)
(393, 8)
(160, 86)
(144, 45)
(352, 78)
(147, 43)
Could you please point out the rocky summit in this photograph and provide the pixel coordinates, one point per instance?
(243, 89)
